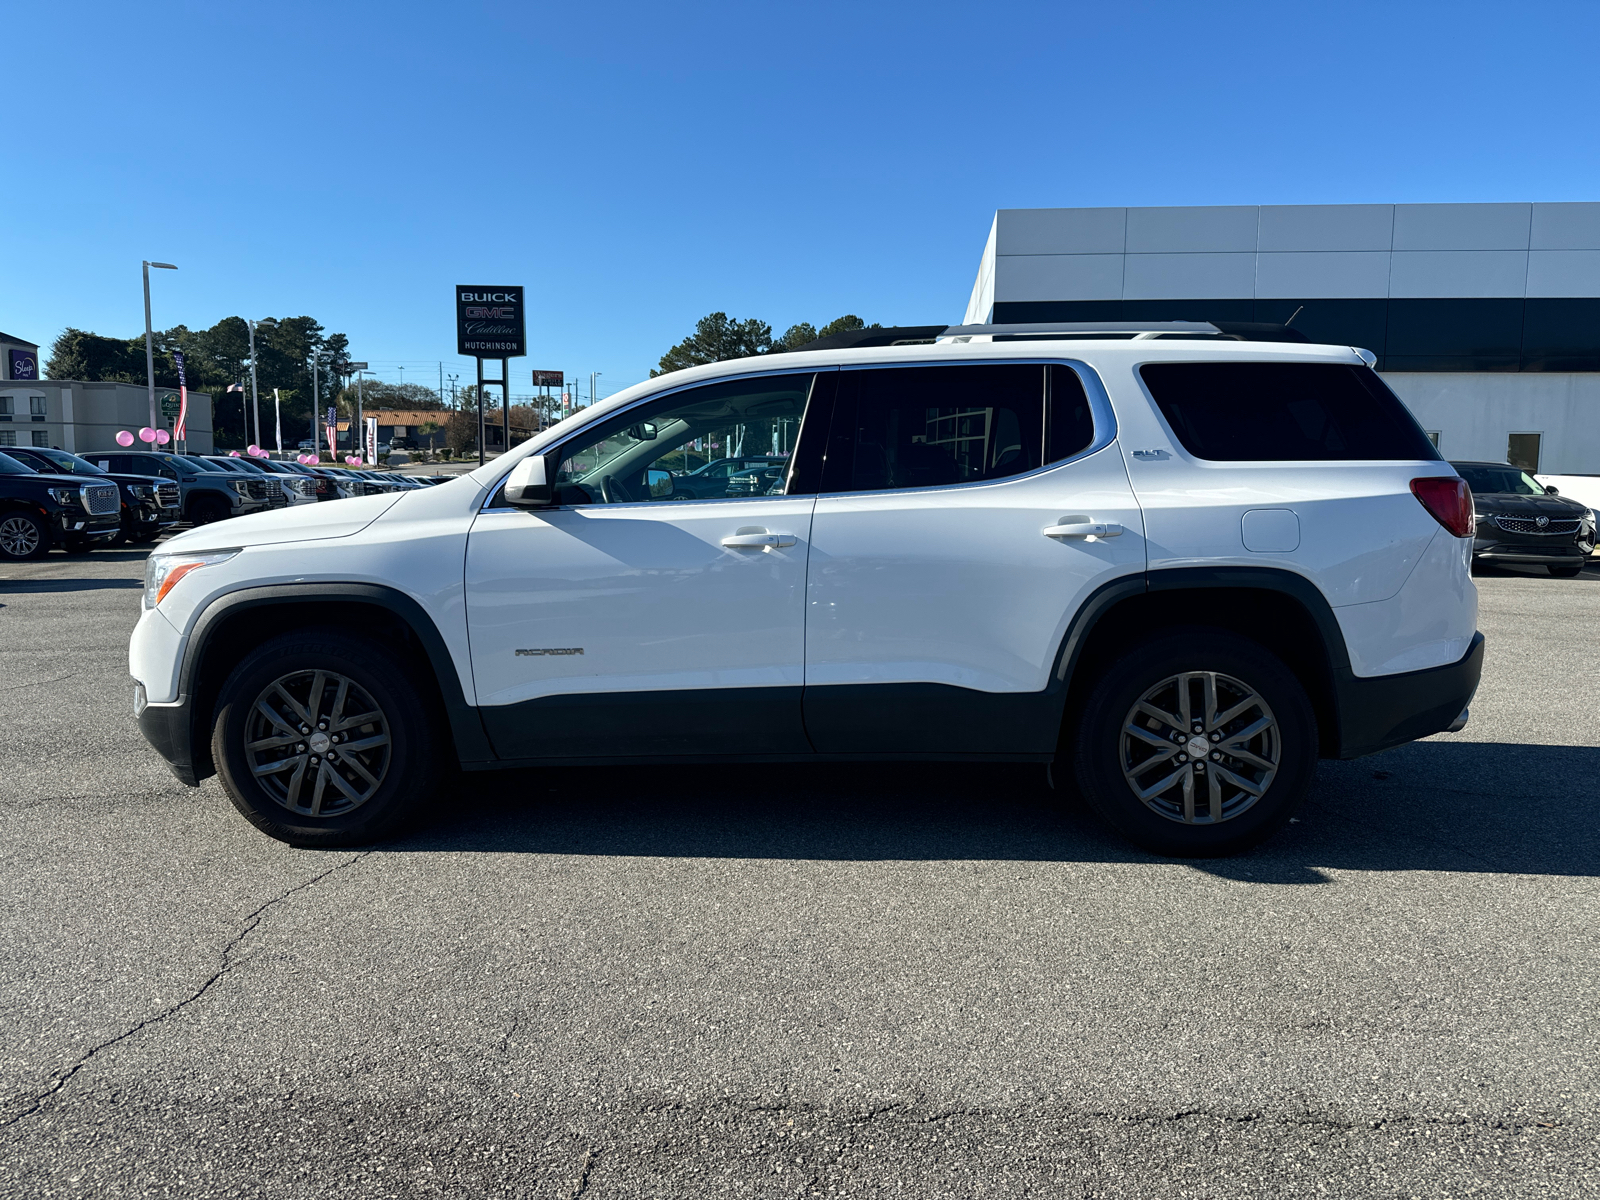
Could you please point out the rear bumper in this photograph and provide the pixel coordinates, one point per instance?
(1389, 710)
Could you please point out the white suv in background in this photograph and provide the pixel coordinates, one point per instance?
(1182, 565)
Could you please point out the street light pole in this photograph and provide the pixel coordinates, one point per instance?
(149, 339)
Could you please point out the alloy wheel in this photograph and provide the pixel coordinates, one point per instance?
(19, 537)
(317, 743)
(1199, 748)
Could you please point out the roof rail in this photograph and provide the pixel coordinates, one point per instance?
(1246, 331)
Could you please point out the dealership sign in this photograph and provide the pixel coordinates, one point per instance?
(548, 379)
(24, 364)
(489, 322)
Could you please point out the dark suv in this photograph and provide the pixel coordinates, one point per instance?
(38, 512)
(149, 503)
(205, 495)
(1519, 520)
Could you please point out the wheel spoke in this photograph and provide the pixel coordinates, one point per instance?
(1211, 700)
(1248, 702)
(1240, 782)
(377, 739)
(1161, 715)
(355, 765)
(343, 785)
(337, 714)
(273, 768)
(272, 743)
(1148, 738)
(296, 781)
(1188, 796)
(353, 722)
(294, 705)
(1234, 740)
(1155, 789)
(314, 705)
(1255, 760)
(261, 707)
(1215, 786)
(1185, 708)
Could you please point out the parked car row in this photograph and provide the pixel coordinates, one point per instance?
(51, 499)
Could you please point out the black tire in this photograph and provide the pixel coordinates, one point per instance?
(1245, 668)
(23, 537)
(208, 509)
(1571, 572)
(409, 769)
(142, 535)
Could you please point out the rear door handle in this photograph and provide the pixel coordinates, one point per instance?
(1085, 529)
(758, 539)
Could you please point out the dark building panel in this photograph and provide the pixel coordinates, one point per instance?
(1407, 334)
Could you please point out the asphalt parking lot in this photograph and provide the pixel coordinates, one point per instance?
(775, 982)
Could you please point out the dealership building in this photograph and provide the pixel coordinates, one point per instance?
(83, 417)
(1485, 318)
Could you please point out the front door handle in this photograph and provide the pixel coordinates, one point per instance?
(1084, 529)
(758, 539)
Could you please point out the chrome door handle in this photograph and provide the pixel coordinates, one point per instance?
(758, 539)
(1086, 529)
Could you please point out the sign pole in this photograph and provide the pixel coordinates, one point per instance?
(480, 412)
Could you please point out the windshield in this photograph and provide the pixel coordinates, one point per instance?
(69, 464)
(1503, 481)
(10, 466)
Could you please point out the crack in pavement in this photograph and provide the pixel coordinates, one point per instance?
(251, 921)
(581, 1183)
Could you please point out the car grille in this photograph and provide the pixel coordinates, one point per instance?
(102, 499)
(167, 495)
(257, 488)
(1566, 525)
(274, 489)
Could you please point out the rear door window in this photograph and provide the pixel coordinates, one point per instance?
(912, 427)
(1284, 412)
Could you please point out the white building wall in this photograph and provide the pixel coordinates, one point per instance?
(1474, 413)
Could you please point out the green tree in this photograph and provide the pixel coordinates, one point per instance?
(717, 338)
(794, 337)
(79, 354)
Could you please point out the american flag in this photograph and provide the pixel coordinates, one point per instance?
(236, 387)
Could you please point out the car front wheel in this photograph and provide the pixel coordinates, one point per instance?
(321, 741)
(1196, 743)
(22, 537)
(1571, 572)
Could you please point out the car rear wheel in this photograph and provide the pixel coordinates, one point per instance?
(320, 741)
(22, 537)
(1563, 572)
(1196, 743)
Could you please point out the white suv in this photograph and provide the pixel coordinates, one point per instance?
(1183, 564)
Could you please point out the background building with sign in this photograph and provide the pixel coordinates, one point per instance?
(19, 360)
(84, 417)
(1485, 317)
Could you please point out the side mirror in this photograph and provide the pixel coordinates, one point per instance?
(1550, 491)
(527, 486)
(645, 431)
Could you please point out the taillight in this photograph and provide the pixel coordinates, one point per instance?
(1449, 500)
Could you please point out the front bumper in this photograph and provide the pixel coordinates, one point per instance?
(170, 729)
(1381, 711)
(1566, 554)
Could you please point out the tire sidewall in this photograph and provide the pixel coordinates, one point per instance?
(415, 754)
(1097, 744)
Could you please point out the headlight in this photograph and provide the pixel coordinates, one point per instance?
(162, 571)
(241, 487)
(143, 490)
(68, 496)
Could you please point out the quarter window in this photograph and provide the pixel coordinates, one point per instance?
(1284, 412)
(724, 440)
(912, 427)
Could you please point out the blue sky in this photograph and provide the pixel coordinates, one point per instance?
(636, 166)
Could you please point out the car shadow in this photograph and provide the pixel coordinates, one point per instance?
(67, 585)
(1444, 805)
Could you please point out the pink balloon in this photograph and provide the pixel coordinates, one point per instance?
(147, 434)
(124, 438)
(233, 454)
(162, 437)
(252, 448)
